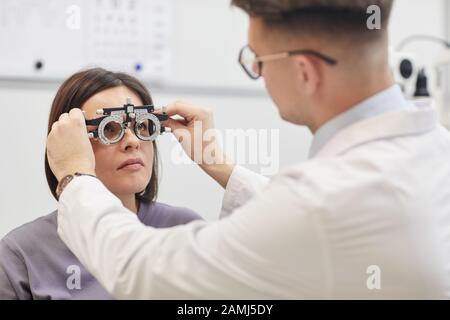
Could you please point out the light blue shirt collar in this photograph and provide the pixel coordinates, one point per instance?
(391, 99)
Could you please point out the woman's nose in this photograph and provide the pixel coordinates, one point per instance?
(129, 140)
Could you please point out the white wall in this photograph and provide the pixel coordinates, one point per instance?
(200, 30)
(419, 17)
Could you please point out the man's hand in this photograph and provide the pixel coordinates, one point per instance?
(68, 146)
(195, 131)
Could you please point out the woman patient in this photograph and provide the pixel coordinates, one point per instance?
(34, 262)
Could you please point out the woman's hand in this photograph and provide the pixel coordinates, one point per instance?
(193, 126)
(68, 146)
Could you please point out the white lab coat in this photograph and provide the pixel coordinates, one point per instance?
(368, 217)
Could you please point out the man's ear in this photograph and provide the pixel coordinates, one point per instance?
(308, 73)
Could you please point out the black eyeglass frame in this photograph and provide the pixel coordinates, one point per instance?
(277, 56)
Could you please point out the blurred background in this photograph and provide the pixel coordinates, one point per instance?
(182, 50)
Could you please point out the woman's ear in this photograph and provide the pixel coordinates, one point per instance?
(308, 73)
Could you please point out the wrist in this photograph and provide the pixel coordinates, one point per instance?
(81, 170)
(65, 181)
(219, 172)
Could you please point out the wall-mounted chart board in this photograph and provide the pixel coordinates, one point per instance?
(53, 38)
(175, 43)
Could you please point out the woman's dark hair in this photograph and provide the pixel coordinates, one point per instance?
(81, 86)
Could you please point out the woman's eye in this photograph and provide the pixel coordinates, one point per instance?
(142, 126)
(111, 128)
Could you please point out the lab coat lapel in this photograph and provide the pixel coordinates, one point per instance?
(384, 126)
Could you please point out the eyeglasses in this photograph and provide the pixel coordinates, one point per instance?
(111, 127)
(252, 64)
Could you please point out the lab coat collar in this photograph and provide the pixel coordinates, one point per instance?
(410, 121)
(390, 99)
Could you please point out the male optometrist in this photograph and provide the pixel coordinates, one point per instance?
(367, 216)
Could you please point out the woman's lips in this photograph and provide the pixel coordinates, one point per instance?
(131, 164)
(132, 167)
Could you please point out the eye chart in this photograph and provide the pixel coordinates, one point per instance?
(54, 38)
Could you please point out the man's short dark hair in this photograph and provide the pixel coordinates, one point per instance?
(320, 17)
